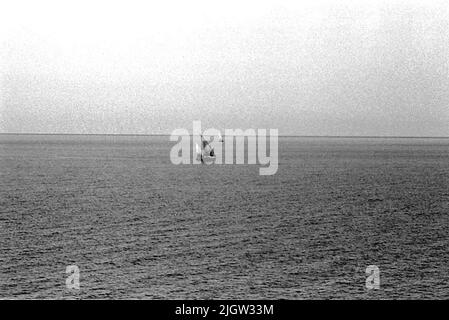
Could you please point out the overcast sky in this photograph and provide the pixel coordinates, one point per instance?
(305, 68)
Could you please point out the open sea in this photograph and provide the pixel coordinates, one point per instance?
(140, 227)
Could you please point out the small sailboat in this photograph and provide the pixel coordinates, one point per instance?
(205, 152)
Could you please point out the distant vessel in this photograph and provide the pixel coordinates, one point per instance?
(206, 151)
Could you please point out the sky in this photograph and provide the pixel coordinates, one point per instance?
(343, 68)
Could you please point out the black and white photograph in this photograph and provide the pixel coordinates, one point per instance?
(224, 150)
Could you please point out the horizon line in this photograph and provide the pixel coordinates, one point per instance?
(282, 135)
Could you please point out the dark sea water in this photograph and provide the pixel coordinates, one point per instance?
(138, 226)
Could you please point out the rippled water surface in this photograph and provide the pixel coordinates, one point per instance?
(140, 227)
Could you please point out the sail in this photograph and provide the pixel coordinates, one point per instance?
(207, 149)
